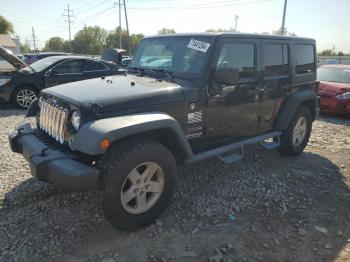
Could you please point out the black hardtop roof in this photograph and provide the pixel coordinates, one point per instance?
(233, 34)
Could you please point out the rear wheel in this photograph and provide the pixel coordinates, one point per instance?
(295, 138)
(24, 96)
(138, 182)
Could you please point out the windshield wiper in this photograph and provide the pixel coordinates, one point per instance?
(137, 69)
(169, 74)
(142, 71)
(153, 72)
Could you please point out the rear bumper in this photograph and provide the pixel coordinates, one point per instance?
(52, 165)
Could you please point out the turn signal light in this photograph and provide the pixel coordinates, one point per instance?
(104, 144)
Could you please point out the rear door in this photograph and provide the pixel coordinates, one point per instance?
(93, 69)
(276, 80)
(233, 113)
(65, 72)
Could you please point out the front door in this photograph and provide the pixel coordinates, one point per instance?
(233, 111)
(65, 72)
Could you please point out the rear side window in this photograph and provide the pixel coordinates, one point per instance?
(69, 67)
(93, 66)
(240, 56)
(276, 59)
(305, 59)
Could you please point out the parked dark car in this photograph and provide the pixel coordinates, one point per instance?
(334, 89)
(125, 62)
(22, 86)
(31, 58)
(208, 95)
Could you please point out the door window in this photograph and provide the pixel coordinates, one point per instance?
(91, 66)
(276, 59)
(239, 56)
(69, 67)
(305, 59)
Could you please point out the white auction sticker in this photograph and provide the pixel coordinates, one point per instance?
(198, 45)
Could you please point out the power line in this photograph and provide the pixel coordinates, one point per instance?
(85, 5)
(69, 21)
(200, 6)
(94, 17)
(93, 7)
(35, 23)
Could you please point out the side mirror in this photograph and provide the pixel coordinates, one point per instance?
(226, 76)
(51, 73)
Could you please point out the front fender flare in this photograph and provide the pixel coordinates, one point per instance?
(90, 135)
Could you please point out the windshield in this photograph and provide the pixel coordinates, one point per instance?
(341, 75)
(173, 54)
(44, 63)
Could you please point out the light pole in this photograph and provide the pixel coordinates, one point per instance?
(284, 17)
(236, 19)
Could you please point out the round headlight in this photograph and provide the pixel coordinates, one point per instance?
(75, 119)
(40, 101)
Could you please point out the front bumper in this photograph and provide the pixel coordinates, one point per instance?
(52, 165)
(333, 106)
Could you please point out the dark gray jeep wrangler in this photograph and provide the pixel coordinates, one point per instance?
(184, 98)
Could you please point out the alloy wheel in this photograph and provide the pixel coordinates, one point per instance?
(299, 131)
(142, 188)
(25, 97)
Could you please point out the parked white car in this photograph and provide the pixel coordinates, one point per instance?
(5, 66)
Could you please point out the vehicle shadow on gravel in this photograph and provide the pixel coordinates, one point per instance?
(7, 110)
(345, 121)
(264, 208)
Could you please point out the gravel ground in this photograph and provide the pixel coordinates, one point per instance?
(264, 208)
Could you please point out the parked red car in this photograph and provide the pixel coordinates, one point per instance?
(334, 89)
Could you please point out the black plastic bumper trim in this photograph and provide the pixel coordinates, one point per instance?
(52, 165)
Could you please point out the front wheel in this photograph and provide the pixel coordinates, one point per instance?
(295, 138)
(24, 96)
(138, 182)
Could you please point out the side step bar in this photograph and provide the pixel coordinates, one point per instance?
(235, 152)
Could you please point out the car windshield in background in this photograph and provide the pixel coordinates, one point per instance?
(44, 63)
(341, 75)
(173, 54)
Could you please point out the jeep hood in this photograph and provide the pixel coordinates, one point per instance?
(117, 92)
(11, 58)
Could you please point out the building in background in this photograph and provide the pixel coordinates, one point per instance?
(11, 43)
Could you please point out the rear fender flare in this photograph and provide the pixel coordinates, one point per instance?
(290, 105)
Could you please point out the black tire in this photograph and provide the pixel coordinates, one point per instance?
(287, 146)
(119, 160)
(31, 92)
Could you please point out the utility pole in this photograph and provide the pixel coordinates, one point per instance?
(119, 28)
(120, 25)
(34, 40)
(284, 17)
(236, 19)
(68, 13)
(333, 50)
(127, 28)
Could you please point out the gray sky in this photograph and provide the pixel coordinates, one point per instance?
(326, 21)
